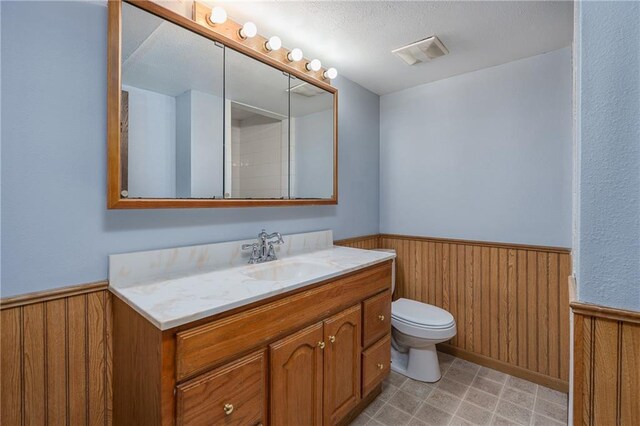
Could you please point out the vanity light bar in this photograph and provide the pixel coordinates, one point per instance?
(215, 16)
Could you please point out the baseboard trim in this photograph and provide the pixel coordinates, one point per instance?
(47, 295)
(523, 373)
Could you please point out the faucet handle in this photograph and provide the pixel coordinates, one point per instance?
(255, 252)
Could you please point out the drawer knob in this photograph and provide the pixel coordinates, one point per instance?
(332, 339)
(380, 366)
(321, 345)
(228, 409)
(381, 317)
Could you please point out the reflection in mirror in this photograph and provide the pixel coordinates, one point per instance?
(257, 137)
(171, 111)
(312, 143)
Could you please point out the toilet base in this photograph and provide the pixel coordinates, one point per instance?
(418, 364)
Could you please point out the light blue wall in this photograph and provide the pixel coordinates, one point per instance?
(56, 230)
(481, 156)
(607, 197)
(313, 154)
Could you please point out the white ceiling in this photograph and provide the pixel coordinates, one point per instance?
(357, 36)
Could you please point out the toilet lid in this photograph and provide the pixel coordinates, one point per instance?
(421, 314)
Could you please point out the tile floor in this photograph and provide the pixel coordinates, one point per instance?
(467, 394)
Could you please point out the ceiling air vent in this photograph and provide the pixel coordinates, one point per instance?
(421, 51)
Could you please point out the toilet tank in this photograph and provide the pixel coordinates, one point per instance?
(393, 268)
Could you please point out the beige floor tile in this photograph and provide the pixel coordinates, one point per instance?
(444, 401)
(361, 420)
(549, 409)
(489, 386)
(481, 399)
(374, 422)
(466, 365)
(388, 390)
(418, 389)
(396, 379)
(540, 420)
(416, 422)
(552, 395)
(405, 402)
(457, 421)
(513, 412)
(501, 421)
(496, 376)
(523, 385)
(389, 415)
(453, 387)
(462, 376)
(373, 408)
(443, 357)
(432, 415)
(517, 397)
(474, 414)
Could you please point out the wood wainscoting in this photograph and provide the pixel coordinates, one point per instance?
(510, 301)
(606, 373)
(367, 242)
(55, 361)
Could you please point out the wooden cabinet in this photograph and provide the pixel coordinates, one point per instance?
(234, 394)
(341, 364)
(377, 317)
(376, 362)
(309, 357)
(315, 373)
(297, 378)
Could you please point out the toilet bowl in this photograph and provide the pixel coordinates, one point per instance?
(416, 328)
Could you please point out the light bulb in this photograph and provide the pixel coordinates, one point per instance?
(314, 65)
(331, 73)
(274, 43)
(295, 55)
(248, 30)
(218, 15)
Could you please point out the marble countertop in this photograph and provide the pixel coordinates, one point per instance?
(171, 301)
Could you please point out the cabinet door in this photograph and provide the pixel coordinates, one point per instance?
(341, 364)
(296, 378)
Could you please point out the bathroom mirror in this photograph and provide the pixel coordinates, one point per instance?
(171, 110)
(198, 119)
(257, 137)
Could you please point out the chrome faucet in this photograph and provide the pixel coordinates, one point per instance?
(263, 250)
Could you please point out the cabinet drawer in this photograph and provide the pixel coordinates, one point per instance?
(377, 318)
(234, 394)
(375, 364)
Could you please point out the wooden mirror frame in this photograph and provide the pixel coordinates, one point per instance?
(114, 86)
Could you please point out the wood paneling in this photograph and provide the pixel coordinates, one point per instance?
(510, 302)
(607, 365)
(367, 242)
(55, 357)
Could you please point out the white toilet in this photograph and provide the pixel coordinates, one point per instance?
(416, 328)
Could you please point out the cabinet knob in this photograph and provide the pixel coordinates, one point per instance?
(381, 317)
(321, 345)
(380, 366)
(228, 409)
(332, 339)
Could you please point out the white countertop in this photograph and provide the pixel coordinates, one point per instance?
(172, 300)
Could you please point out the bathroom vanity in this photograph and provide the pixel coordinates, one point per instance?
(202, 337)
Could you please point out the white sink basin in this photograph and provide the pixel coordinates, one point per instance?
(287, 270)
